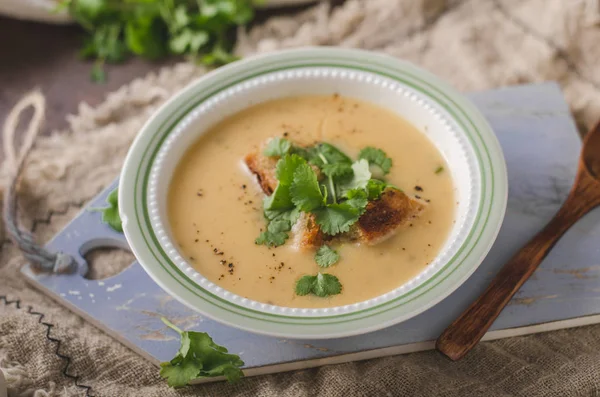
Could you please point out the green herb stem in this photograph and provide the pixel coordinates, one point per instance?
(171, 325)
(329, 178)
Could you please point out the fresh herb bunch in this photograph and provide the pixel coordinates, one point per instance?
(323, 181)
(156, 28)
(337, 198)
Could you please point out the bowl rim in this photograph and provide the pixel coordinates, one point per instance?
(283, 324)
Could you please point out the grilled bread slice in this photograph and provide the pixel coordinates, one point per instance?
(387, 215)
(263, 168)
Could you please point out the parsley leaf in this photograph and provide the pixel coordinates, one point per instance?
(326, 256)
(377, 157)
(321, 285)
(360, 178)
(439, 170)
(305, 191)
(110, 214)
(277, 147)
(199, 357)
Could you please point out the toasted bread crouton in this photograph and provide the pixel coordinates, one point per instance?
(264, 169)
(384, 217)
(381, 220)
(307, 234)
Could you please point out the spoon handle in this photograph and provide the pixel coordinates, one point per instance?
(464, 333)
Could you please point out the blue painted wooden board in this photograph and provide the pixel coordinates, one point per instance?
(541, 146)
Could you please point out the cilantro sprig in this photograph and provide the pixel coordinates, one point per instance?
(154, 29)
(322, 285)
(110, 214)
(326, 256)
(199, 357)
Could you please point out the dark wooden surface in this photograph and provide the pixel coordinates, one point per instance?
(46, 56)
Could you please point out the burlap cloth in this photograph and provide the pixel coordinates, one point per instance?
(477, 44)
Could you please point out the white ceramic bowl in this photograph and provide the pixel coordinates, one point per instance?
(449, 120)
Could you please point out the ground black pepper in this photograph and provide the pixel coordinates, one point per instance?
(418, 188)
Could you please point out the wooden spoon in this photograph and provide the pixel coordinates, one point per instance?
(464, 333)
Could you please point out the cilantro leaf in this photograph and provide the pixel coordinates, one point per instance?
(336, 218)
(286, 167)
(326, 256)
(280, 199)
(110, 214)
(284, 171)
(271, 239)
(377, 157)
(304, 285)
(321, 285)
(332, 154)
(357, 199)
(289, 215)
(360, 178)
(158, 28)
(278, 207)
(439, 170)
(277, 147)
(199, 357)
(305, 191)
(374, 188)
(179, 374)
(280, 223)
(326, 285)
(143, 36)
(337, 170)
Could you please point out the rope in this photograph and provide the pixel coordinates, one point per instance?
(41, 259)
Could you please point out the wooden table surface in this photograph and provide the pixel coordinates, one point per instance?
(46, 56)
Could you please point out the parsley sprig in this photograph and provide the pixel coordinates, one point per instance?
(199, 357)
(154, 29)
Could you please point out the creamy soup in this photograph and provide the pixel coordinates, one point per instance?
(215, 203)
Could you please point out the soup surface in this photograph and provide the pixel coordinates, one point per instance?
(215, 205)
